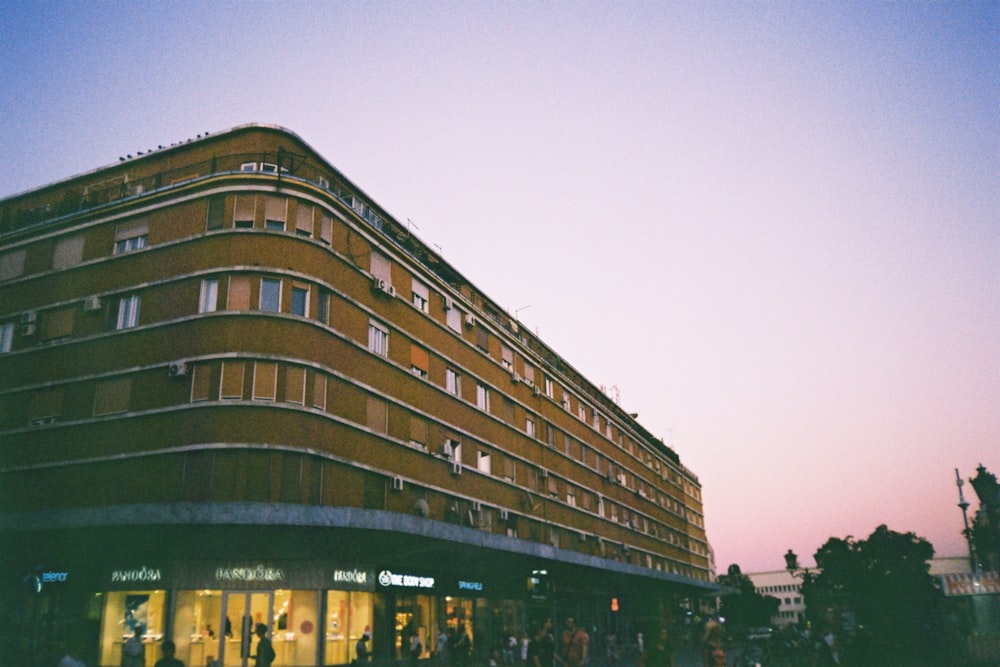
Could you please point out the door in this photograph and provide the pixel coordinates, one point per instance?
(243, 611)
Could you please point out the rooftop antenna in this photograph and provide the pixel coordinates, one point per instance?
(518, 310)
(964, 506)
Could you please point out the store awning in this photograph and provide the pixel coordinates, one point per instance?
(967, 583)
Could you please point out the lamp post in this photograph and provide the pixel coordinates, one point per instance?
(964, 506)
(792, 565)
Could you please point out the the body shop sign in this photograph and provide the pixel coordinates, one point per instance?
(389, 579)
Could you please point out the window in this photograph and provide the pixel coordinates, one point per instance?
(243, 211)
(6, 336)
(295, 385)
(232, 380)
(323, 306)
(529, 427)
(216, 212)
(265, 380)
(239, 293)
(418, 431)
(300, 300)
(453, 319)
(326, 229)
(378, 338)
(507, 358)
(58, 323)
(111, 396)
(128, 312)
(201, 383)
(275, 213)
(482, 338)
(68, 252)
(570, 496)
(381, 267)
(529, 373)
(482, 397)
(131, 236)
(418, 361)
(208, 302)
(452, 382)
(483, 462)
(582, 412)
(452, 450)
(420, 296)
(304, 219)
(12, 264)
(548, 386)
(270, 295)
(377, 415)
(319, 391)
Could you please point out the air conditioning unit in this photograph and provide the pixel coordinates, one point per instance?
(504, 514)
(92, 304)
(447, 302)
(470, 320)
(456, 468)
(29, 317)
(514, 377)
(397, 483)
(476, 506)
(535, 390)
(28, 329)
(177, 369)
(543, 473)
(382, 287)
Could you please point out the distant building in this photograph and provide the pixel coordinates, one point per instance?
(234, 390)
(787, 589)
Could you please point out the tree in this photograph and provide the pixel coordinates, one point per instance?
(884, 582)
(747, 608)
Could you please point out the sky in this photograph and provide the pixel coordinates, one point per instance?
(770, 228)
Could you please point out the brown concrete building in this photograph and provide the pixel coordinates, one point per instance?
(234, 390)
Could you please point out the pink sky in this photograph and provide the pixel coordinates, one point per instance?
(773, 227)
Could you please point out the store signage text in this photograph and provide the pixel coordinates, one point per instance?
(387, 578)
(351, 576)
(140, 574)
(470, 585)
(258, 573)
(49, 577)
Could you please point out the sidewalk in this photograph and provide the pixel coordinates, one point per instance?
(684, 656)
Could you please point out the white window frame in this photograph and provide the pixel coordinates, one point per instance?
(131, 244)
(529, 427)
(208, 299)
(305, 308)
(378, 338)
(453, 381)
(260, 298)
(128, 311)
(483, 462)
(6, 336)
(482, 397)
(421, 296)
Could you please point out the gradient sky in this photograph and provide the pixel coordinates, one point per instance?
(774, 227)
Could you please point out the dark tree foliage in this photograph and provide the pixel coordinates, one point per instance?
(745, 608)
(884, 584)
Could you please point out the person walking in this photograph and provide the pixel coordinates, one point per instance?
(265, 652)
(134, 651)
(168, 659)
(660, 652)
(575, 642)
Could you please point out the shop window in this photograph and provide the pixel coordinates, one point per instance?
(124, 611)
(349, 615)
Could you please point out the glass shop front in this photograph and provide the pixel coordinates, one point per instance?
(315, 613)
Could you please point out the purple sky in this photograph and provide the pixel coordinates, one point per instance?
(773, 227)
